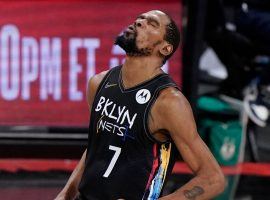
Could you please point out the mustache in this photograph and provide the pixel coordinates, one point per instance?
(125, 35)
(130, 29)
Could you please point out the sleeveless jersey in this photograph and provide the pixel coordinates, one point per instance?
(124, 161)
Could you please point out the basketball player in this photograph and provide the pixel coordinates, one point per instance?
(139, 121)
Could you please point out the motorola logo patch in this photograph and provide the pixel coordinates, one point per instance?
(143, 96)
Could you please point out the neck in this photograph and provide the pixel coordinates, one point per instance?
(136, 70)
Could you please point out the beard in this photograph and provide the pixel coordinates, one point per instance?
(127, 41)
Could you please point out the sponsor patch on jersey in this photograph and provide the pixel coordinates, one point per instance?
(143, 96)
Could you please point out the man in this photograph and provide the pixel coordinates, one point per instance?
(138, 119)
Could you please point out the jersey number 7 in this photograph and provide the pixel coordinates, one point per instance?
(113, 161)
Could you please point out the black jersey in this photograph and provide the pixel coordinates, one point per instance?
(124, 161)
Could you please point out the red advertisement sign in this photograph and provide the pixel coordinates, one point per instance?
(49, 50)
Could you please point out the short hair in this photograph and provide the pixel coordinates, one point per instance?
(172, 36)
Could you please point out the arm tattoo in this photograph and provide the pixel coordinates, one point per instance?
(193, 193)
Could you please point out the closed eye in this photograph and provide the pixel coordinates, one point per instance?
(150, 20)
(153, 22)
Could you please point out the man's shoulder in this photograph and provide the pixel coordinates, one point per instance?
(92, 86)
(97, 78)
(170, 94)
(170, 98)
(171, 107)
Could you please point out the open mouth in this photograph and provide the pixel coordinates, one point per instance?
(129, 32)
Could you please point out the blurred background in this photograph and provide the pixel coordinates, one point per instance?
(49, 49)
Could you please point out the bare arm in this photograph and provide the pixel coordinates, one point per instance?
(70, 191)
(176, 117)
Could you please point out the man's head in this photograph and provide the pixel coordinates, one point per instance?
(153, 33)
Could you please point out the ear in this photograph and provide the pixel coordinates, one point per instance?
(166, 49)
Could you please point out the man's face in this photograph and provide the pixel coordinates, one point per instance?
(144, 36)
